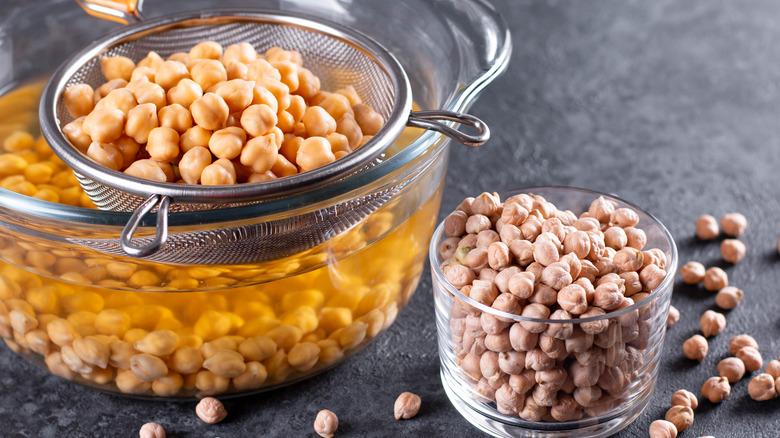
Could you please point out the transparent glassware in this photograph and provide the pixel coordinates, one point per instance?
(318, 307)
(627, 350)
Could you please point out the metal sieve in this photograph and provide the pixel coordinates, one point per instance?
(339, 56)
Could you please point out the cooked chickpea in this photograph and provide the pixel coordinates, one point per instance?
(79, 100)
(707, 227)
(163, 144)
(210, 111)
(258, 120)
(241, 53)
(260, 154)
(170, 73)
(313, 153)
(140, 122)
(227, 143)
(104, 125)
(317, 122)
(106, 155)
(148, 92)
(370, 121)
(195, 136)
(184, 93)
(117, 67)
(695, 347)
(192, 164)
(220, 172)
(732, 369)
(147, 169)
(175, 117)
(75, 134)
(733, 224)
(715, 278)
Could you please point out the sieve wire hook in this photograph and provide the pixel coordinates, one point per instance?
(163, 204)
(120, 11)
(429, 119)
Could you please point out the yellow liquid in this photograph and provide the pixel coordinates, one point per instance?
(316, 307)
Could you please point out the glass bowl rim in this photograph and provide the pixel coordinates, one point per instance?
(666, 284)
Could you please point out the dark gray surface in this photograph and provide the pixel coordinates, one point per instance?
(673, 106)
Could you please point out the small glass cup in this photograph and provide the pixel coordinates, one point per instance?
(616, 367)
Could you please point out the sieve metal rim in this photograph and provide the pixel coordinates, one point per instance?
(339, 169)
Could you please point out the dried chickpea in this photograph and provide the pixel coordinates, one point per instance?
(733, 224)
(210, 410)
(210, 111)
(680, 416)
(773, 368)
(695, 347)
(737, 342)
(732, 250)
(79, 100)
(662, 429)
(692, 273)
(751, 357)
(326, 423)
(712, 323)
(151, 430)
(729, 297)
(762, 387)
(685, 398)
(674, 316)
(715, 279)
(716, 389)
(707, 227)
(732, 369)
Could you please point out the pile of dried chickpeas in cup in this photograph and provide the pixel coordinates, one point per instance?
(215, 116)
(745, 356)
(524, 256)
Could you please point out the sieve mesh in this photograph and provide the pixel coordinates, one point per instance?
(337, 56)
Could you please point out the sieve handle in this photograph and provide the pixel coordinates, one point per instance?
(430, 119)
(120, 11)
(161, 236)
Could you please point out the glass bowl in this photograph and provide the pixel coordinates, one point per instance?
(606, 366)
(146, 329)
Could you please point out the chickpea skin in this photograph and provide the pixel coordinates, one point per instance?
(707, 227)
(733, 224)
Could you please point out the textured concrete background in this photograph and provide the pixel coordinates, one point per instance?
(673, 106)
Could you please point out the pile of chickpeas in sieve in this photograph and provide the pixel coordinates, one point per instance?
(526, 257)
(215, 116)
